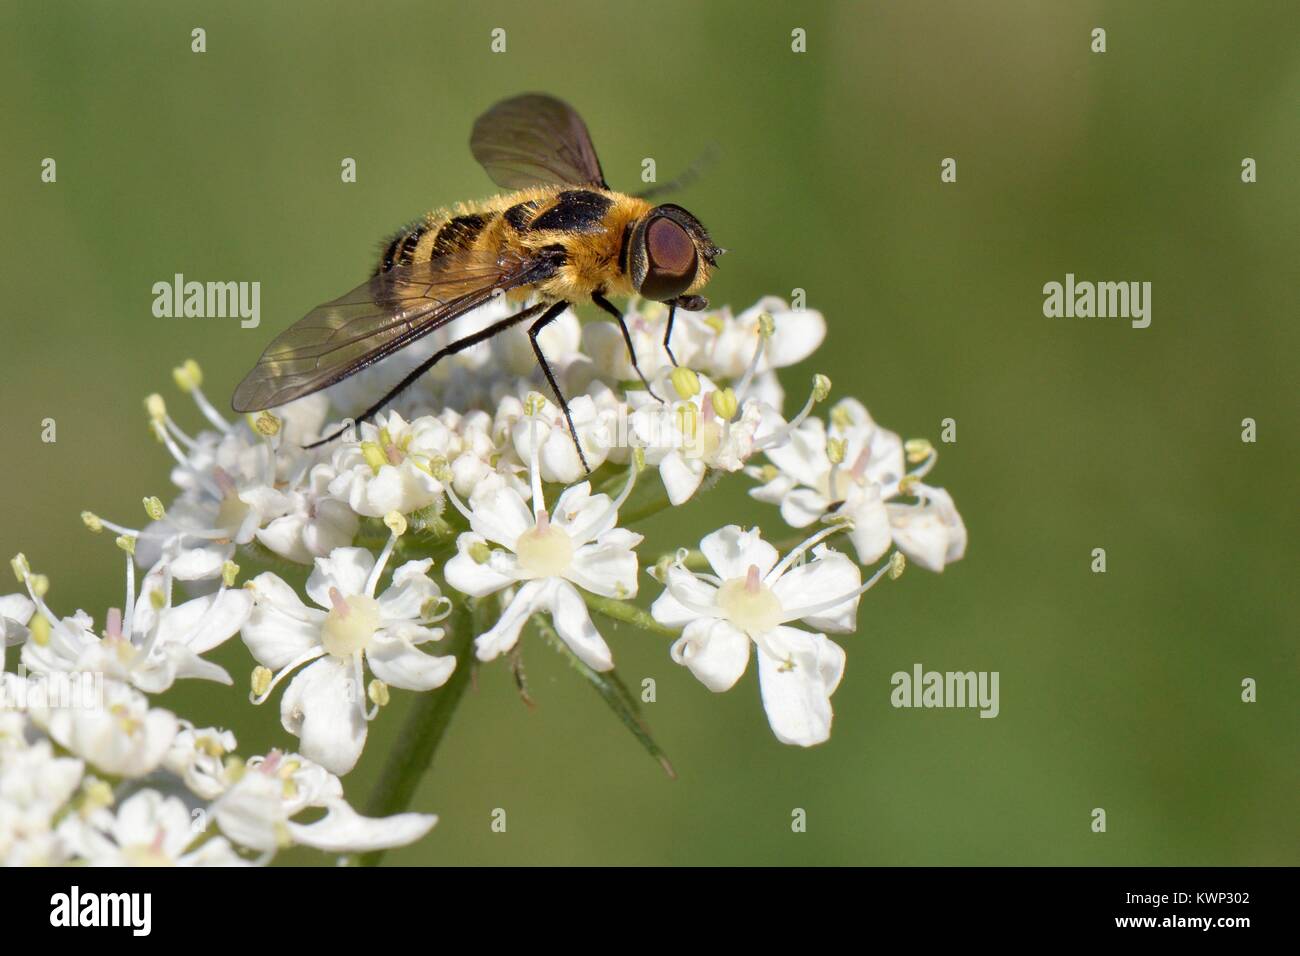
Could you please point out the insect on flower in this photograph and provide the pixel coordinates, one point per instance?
(560, 237)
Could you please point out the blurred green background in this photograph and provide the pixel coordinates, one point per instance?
(1119, 690)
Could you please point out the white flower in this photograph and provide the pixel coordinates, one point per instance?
(807, 483)
(148, 829)
(557, 454)
(325, 704)
(123, 736)
(257, 811)
(796, 334)
(855, 470)
(198, 757)
(546, 554)
(751, 598)
(687, 437)
(396, 466)
(930, 532)
(34, 786)
(149, 647)
(316, 522)
(15, 611)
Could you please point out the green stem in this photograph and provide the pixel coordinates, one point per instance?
(426, 725)
(627, 613)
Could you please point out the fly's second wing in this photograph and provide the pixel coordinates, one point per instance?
(535, 139)
(380, 316)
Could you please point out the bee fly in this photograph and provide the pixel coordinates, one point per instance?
(561, 237)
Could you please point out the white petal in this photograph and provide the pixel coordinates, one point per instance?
(798, 698)
(346, 569)
(197, 564)
(921, 534)
(342, 830)
(573, 622)
(681, 478)
(322, 708)
(607, 566)
(505, 632)
(206, 622)
(871, 534)
(829, 576)
(280, 628)
(732, 550)
(685, 599)
(411, 588)
(501, 515)
(797, 335)
(715, 651)
(396, 661)
(802, 506)
(468, 576)
(803, 457)
(284, 537)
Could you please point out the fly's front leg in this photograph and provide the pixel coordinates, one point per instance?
(691, 303)
(609, 307)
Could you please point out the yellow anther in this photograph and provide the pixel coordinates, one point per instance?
(725, 404)
(768, 473)
(156, 407)
(897, 564)
(210, 746)
(188, 376)
(40, 629)
(480, 552)
(126, 542)
(21, 568)
(821, 388)
(91, 521)
(153, 507)
(715, 321)
(688, 419)
(96, 794)
(233, 769)
(396, 523)
(917, 449)
(841, 418)
(534, 403)
(157, 599)
(261, 680)
(378, 693)
(229, 572)
(638, 459)
(266, 425)
(39, 584)
(685, 381)
(766, 325)
(835, 450)
(907, 483)
(374, 455)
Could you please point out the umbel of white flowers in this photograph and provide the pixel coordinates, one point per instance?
(464, 505)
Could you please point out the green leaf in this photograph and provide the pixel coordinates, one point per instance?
(612, 690)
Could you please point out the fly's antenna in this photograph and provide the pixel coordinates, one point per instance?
(688, 176)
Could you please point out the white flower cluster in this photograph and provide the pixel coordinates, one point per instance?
(92, 773)
(465, 505)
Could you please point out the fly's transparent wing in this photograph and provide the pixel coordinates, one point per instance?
(535, 139)
(378, 317)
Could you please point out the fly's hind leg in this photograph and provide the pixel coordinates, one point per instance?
(534, 330)
(609, 307)
(458, 346)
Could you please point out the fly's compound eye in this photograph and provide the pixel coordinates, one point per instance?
(670, 260)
